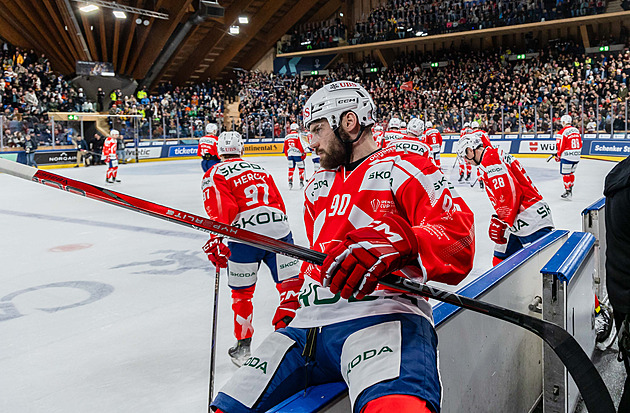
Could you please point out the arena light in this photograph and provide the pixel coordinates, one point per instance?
(243, 19)
(235, 30)
(119, 14)
(88, 8)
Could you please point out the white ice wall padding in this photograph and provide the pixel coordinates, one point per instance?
(488, 365)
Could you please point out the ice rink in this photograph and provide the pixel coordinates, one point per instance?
(106, 310)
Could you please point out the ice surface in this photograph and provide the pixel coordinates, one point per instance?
(106, 310)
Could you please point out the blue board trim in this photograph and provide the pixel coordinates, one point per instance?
(565, 263)
(443, 311)
(315, 398)
(595, 206)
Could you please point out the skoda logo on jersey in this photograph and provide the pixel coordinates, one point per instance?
(367, 355)
(380, 175)
(260, 219)
(237, 167)
(257, 364)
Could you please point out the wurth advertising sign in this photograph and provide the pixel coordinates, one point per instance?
(538, 147)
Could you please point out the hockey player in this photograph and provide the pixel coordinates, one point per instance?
(464, 167)
(393, 132)
(377, 134)
(415, 129)
(245, 195)
(433, 138)
(485, 139)
(569, 149)
(109, 156)
(403, 127)
(207, 147)
(521, 216)
(374, 212)
(295, 153)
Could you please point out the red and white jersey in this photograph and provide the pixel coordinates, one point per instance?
(411, 144)
(293, 145)
(244, 195)
(465, 131)
(569, 144)
(391, 135)
(483, 135)
(109, 148)
(378, 137)
(388, 181)
(512, 193)
(433, 138)
(207, 144)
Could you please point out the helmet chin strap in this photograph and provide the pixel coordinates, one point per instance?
(348, 144)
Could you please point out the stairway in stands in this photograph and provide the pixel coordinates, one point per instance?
(232, 116)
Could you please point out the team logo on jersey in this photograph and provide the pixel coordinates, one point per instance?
(257, 364)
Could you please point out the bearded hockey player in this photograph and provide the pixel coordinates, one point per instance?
(521, 214)
(373, 212)
(243, 194)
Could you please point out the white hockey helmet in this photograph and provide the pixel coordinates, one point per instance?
(378, 128)
(212, 129)
(566, 119)
(394, 123)
(470, 140)
(403, 124)
(114, 132)
(466, 125)
(428, 124)
(334, 99)
(294, 127)
(415, 127)
(230, 143)
(474, 124)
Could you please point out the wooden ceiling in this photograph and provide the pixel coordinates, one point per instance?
(58, 29)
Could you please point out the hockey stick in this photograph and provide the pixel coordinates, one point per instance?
(550, 157)
(586, 377)
(213, 345)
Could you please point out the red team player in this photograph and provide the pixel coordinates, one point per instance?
(433, 138)
(373, 212)
(243, 194)
(109, 156)
(569, 149)
(464, 167)
(207, 147)
(295, 153)
(392, 133)
(521, 216)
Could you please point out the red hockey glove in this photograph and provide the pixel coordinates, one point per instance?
(217, 252)
(289, 291)
(556, 158)
(368, 254)
(497, 230)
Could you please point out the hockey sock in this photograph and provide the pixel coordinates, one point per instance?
(243, 312)
(291, 174)
(597, 307)
(114, 172)
(301, 174)
(400, 403)
(468, 168)
(496, 260)
(462, 168)
(568, 181)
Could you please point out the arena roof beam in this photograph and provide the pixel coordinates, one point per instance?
(210, 41)
(70, 44)
(36, 11)
(130, 37)
(90, 37)
(140, 45)
(326, 11)
(248, 32)
(103, 36)
(74, 30)
(259, 50)
(584, 33)
(116, 43)
(165, 29)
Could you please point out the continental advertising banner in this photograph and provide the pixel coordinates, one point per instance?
(263, 148)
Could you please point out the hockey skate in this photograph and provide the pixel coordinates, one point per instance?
(461, 178)
(301, 184)
(603, 324)
(480, 184)
(468, 177)
(241, 351)
(568, 194)
(116, 180)
(290, 185)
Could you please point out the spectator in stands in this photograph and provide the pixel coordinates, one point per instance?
(82, 152)
(96, 147)
(617, 193)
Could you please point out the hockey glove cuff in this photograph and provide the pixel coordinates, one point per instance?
(217, 252)
(497, 230)
(289, 291)
(368, 254)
